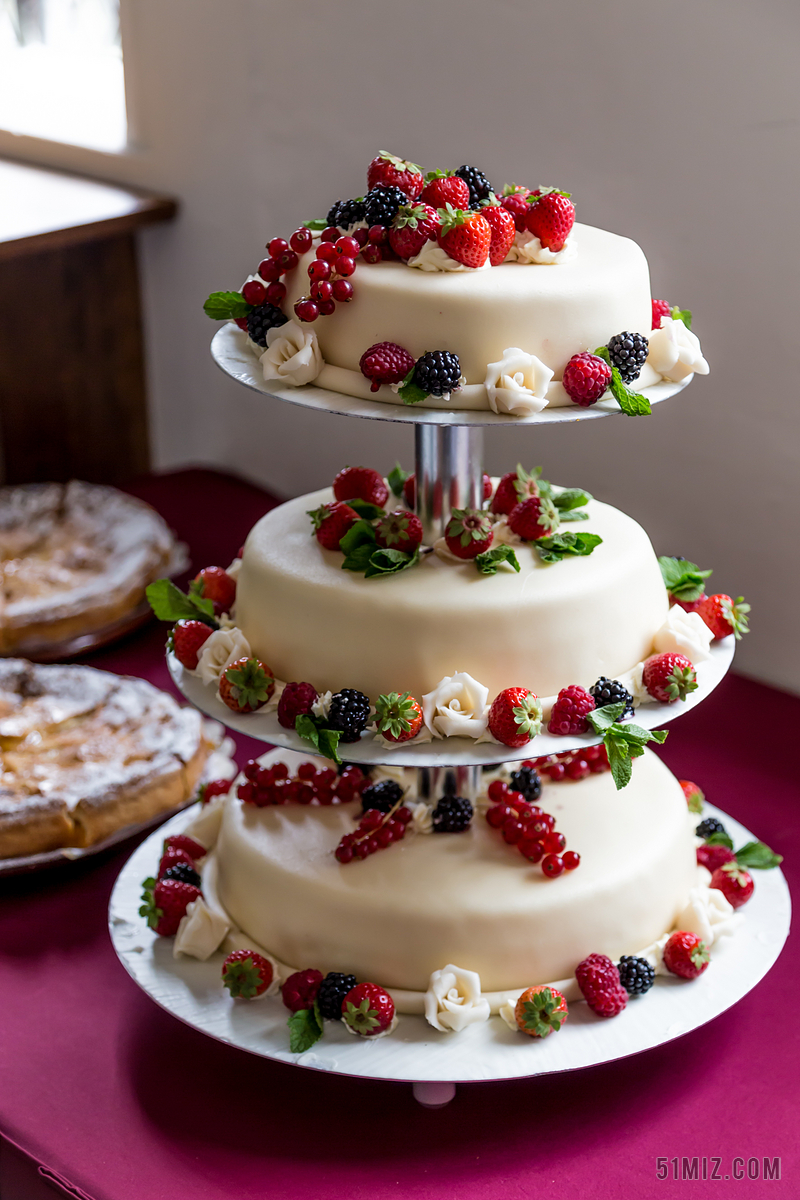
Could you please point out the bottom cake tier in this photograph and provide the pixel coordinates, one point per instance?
(467, 898)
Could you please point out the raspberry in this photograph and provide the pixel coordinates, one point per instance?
(599, 981)
(660, 309)
(296, 700)
(300, 990)
(569, 711)
(385, 362)
(585, 379)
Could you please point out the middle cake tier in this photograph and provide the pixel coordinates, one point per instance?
(544, 628)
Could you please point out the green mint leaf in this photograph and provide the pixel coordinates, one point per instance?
(360, 534)
(632, 403)
(682, 314)
(571, 498)
(575, 514)
(370, 512)
(412, 394)
(308, 729)
(719, 839)
(554, 549)
(488, 562)
(224, 306)
(304, 1030)
(396, 478)
(622, 742)
(316, 225)
(683, 579)
(620, 764)
(329, 745)
(389, 562)
(602, 719)
(169, 603)
(757, 857)
(358, 559)
(325, 741)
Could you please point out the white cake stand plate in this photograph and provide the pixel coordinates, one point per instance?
(415, 1053)
(265, 726)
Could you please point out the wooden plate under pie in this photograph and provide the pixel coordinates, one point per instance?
(85, 753)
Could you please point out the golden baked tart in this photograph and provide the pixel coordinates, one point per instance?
(75, 561)
(84, 753)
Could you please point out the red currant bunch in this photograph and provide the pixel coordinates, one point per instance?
(530, 829)
(267, 786)
(571, 764)
(376, 830)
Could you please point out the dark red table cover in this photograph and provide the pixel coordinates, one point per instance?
(119, 1100)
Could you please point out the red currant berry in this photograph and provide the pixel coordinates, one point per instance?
(251, 769)
(330, 234)
(529, 762)
(305, 793)
(326, 307)
(577, 769)
(377, 234)
(269, 270)
(554, 843)
(246, 792)
(342, 291)
(347, 246)
(552, 865)
(280, 771)
(277, 247)
(254, 292)
(306, 770)
(306, 310)
(326, 777)
(513, 831)
(360, 849)
(384, 836)
(597, 766)
(515, 798)
(571, 860)
(241, 322)
(325, 796)
(497, 790)
(495, 817)
(345, 266)
(326, 252)
(532, 849)
(371, 819)
(322, 290)
(301, 240)
(548, 821)
(555, 771)
(372, 845)
(319, 269)
(276, 294)
(371, 254)
(403, 815)
(344, 853)
(360, 236)
(288, 261)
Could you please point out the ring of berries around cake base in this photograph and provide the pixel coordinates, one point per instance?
(543, 628)
(468, 897)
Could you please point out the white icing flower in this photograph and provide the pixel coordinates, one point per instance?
(518, 383)
(205, 826)
(675, 352)
(200, 932)
(633, 680)
(457, 707)
(684, 633)
(234, 569)
(292, 354)
(527, 248)
(322, 705)
(504, 534)
(219, 651)
(708, 914)
(508, 1011)
(453, 1000)
(422, 818)
(433, 258)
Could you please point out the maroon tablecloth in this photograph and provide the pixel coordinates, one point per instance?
(122, 1101)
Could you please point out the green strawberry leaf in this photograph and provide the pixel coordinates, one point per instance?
(396, 478)
(369, 512)
(682, 314)
(389, 562)
(554, 549)
(305, 1029)
(632, 403)
(169, 603)
(224, 306)
(571, 498)
(488, 562)
(757, 857)
(683, 579)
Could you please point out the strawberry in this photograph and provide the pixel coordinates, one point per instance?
(399, 530)
(246, 974)
(188, 638)
(550, 218)
(515, 716)
(735, 884)
(540, 1011)
(368, 1010)
(694, 797)
(685, 955)
(361, 483)
(669, 677)
(388, 171)
(514, 487)
(515, 201)
(165, 902)
(503, 230)
(414, 225)
(300, 990)
(171, 857)
(246, 684)
(468, 533)
(180, 841)
(398, 717)
(215, 584)
(331, 522)
(724, 616)
(660, 309)
(598, 979)
(533, 518)
(686, 605)
(464, 235)
(442, 189)
(296, 701)
(385, 362)
(713, 857)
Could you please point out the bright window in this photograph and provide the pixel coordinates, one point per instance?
(61, 72)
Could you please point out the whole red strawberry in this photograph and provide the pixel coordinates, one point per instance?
(586, 377)
(660, 309)
(368, 1009)
(568, 714)
(540, 1011)
(713, 857)
(501, 223)
(735, 884)
(180, 841)
(515, 201)
(694, 797)
(399, 530)
(515, 716)
(442, 189)
(533, 518)
(512, 489)
(387, 170)
(331, 522)
(398, 717)
(464, 235)
(171, 857)
(414, 225)
(246, 974)
(246, 685)
(385, 362)
(215, 584)
(468, 533)
(669, 677)
(550, 218)
(300, 990)
(724, 616)
(685, 955)
(361, 483)
(296, 701)
(164, 904)
(188, 639)
(598, 979)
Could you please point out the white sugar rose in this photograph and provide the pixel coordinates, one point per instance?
(219, 651)
(527, 248)
(708, 914)
(292, 354)
(457, 707)
(453, 1000)
(674, 351)
(684, 633)
(518, 383)
(200, 932)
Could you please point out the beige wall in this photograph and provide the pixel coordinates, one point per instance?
(676, 124)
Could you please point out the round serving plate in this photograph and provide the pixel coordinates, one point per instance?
(192, 991)
(232, 354)
(265, 727)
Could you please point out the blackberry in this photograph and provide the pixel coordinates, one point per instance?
(349, 713)
(261, 319)
(183, 873)
(345, 212)
(382, 203)
(611, 691)
(628, 352)
(478, 184)
(437, 372)
(636, 975)
(452, 814)
(526, 781)
(709, 826)
(332, 992)
(383, 795)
